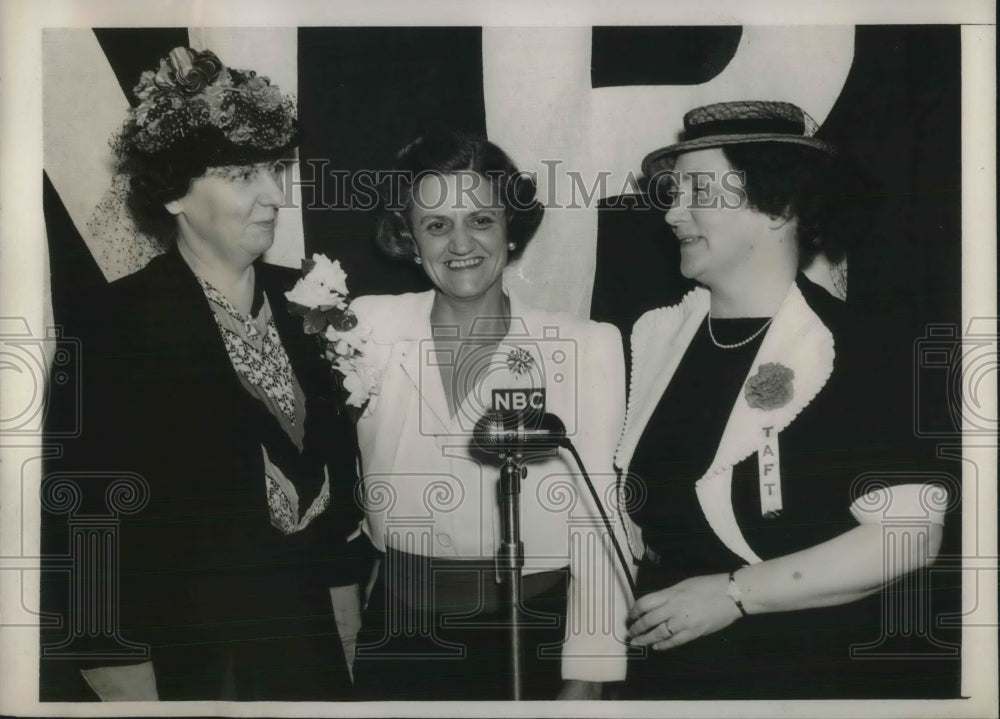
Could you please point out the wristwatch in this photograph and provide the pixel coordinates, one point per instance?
(734, 593)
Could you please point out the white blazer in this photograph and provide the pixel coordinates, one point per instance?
(424, 494)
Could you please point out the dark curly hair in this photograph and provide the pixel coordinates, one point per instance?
(444, 152)
(794, 181)
(161, 177)
(829, 196)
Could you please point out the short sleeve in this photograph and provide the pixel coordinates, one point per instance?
(897, 503)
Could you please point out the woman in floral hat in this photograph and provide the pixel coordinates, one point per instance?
(211, 394)
(760, 447)
(435, 624)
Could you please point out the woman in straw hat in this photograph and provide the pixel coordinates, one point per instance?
(758, 454)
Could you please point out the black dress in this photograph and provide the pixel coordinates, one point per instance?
(841, 435)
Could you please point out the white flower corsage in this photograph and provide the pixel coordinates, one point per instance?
(320, 298)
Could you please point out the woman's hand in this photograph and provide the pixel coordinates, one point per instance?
(678, 614)
(579, 689)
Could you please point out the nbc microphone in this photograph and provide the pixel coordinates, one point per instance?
(497, 432)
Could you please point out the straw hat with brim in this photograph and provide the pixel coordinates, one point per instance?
(733, 123)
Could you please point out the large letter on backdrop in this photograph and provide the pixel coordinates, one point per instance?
(543, 106)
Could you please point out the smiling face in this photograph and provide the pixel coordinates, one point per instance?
(229, 213)
(720, 237)
(461, 234)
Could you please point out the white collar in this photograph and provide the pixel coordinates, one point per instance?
(425, 377)
(796, 339)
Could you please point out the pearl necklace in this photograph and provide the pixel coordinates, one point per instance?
(733, 346)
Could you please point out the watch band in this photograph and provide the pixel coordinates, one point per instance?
(734, 593)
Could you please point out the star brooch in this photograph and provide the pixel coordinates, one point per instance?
(519, 361)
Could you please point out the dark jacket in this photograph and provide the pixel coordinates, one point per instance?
(202, 570)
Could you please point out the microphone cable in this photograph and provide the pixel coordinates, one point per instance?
(604, 516)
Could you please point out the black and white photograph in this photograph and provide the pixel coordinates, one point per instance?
(498, 360)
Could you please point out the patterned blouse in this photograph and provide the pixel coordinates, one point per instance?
(264, 370)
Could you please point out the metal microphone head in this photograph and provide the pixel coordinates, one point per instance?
(492, 428)
(496, 432)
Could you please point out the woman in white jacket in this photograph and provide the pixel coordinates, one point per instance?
(766, 440)
(433, 627)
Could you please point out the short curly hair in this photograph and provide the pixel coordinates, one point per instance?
(785, 180)
(161, 177)
(447, 151)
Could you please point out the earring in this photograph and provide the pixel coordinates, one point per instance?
(511, 246)
(416, 258)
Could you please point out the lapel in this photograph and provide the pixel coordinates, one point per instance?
(797, 339)
(415, 355)
(201, 352)
(303, 350)
(536, 335)
(659, 339)
(182, 321)
(180, 366)
(413, 352)
(410, 335)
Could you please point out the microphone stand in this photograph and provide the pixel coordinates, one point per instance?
(504, 434)
(510, 561)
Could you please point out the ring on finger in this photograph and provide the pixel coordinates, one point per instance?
(670, 632)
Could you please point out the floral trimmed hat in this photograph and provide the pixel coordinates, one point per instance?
(731, 123)
(195, 102)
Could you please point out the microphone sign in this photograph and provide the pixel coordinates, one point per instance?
(519, 400)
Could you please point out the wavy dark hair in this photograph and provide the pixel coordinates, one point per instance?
(161, 177)
(793, 181)
(829, 196)
(444, 152)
